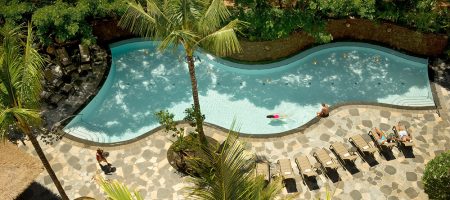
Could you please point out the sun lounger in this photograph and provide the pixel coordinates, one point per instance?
(286, 171)
(342, 153)
(362, 146)
(305, 168)
(381, 147)
(402, 143)
(263, 169)
(326, 162)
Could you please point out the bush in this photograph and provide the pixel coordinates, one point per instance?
(13, 11)
(436, 177)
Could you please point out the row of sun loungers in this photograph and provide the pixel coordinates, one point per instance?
(325, 163)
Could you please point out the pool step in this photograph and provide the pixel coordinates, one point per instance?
(414, 101)
(92, 133)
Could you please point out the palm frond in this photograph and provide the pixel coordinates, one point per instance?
(232, 175)
(139, 21)
(6, 118)
(30, 73)
(184, 37)
(223, 41)
(27, 116)
(116, 190)
(216, 12)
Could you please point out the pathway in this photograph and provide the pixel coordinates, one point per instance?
(143, 165)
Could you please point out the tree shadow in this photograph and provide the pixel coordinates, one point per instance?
(36, 191)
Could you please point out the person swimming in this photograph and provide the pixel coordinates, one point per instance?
(276, 116)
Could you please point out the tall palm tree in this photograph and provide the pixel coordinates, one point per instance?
(190, 23)
(232, 175)
(20, 86)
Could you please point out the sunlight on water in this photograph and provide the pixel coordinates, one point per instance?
(143, 81)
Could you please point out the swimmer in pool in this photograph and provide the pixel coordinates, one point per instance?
(276, 116)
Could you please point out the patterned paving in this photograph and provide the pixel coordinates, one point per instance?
(143, 164)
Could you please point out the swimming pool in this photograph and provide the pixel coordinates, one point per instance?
(143, 81)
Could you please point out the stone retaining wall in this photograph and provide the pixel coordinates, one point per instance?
(388, 34)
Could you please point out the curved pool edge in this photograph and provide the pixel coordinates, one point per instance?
(314, 121)
(297, 56)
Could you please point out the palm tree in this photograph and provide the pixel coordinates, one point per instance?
(232, 175)
(20, 86)
(190, 23)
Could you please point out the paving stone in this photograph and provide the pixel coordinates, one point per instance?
(325, 137)
(65, 148)
(147, 154)
(164, 193)
(56, 167)
(394, 185)
(329, 123)
(411, 192)
(393, 198)
(420, 184)
(390, 170)
(353, 112)
(385, 127)
(158, 144)
(429, 117)
(84, 191)
(278, 144)
(340, 132)
(418, 159)
(385, 114)
(91, 167)
(367, 123)
(411, 176)
(47, 180)
(67, 187)
(355, 194)
(73, 160)
(386, 189)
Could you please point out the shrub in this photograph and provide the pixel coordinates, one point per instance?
(13, 11)
(436, 177)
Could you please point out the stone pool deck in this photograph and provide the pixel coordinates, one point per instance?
(143, 165)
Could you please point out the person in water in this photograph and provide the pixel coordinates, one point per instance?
(276, 116)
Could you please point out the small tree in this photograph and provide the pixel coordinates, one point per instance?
(436, 177)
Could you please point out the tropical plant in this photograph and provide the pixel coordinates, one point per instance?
(190, 23)
(232, 175)
(20, 87)
(436, 178)
(116, 190)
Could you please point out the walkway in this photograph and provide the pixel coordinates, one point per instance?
(143, 165)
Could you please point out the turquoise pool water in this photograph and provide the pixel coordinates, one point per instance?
(142, 81)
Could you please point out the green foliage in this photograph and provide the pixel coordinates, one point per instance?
(343, 8)
(13, 10)
(62, 22)
(70, 20)
(231, 175)
(436, 177)
(191, 116)
(116, 190)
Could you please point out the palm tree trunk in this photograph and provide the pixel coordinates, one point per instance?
(47, 166)
(198, 114)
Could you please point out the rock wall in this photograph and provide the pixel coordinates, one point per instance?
(386, 34)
